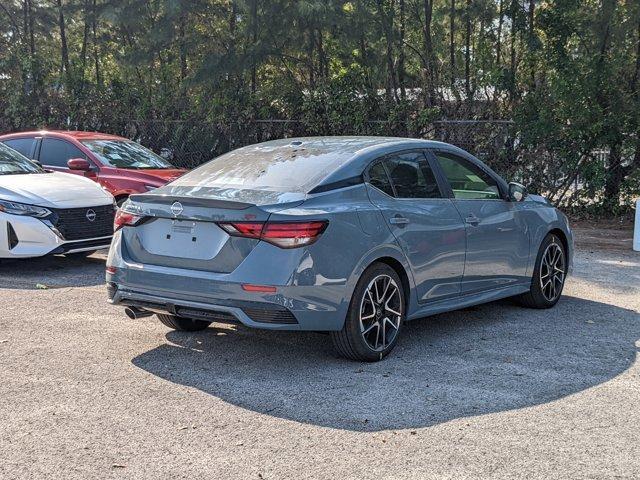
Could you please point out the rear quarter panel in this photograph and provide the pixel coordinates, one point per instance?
(356, 237)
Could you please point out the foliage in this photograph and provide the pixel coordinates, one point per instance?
(200, 77)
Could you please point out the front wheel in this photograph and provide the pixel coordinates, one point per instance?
(549, 275)
(182, 324)
(375, 316)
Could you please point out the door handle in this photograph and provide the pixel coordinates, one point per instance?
(472, 220)
(398, 220)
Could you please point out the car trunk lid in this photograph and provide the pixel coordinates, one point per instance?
(182, 231)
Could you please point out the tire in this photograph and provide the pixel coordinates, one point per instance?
(80, 255)
(183, 324)
(367, 340)
(551, 260)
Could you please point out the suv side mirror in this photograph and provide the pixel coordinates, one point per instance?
(517, 192)
(79, 164)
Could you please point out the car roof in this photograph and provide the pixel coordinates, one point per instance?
(296, 165)
(75, 134)
(337, 145)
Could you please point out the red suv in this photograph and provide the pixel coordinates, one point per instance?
(121, 166)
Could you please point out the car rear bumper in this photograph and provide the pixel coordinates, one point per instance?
(298, 302)
(277, 311)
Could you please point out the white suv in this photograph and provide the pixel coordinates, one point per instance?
(44, 212)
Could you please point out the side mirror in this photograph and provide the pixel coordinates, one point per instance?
(517, 192)
(79, 164)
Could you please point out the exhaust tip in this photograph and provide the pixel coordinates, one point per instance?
(135, 313)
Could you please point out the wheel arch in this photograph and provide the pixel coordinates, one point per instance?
(395, 259)
(402, 273)
(563, 238)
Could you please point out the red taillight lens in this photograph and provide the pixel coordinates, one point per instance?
(243, 229)
(123, 218)
(281, 234)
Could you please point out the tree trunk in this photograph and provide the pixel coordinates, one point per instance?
(387, 26)
(467, 52)
(64, 51)
(452, 44)
(430, 70)
(635, 82)
(182, 46)
(310, 60)
(514, 12)
(85, 39)
(401, 55)
(30, 20)
(614, 174)
(323, 62)
(254, 41)
(532, 8)
(96, 52)
(499, 33)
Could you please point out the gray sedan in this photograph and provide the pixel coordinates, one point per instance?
(350, 235)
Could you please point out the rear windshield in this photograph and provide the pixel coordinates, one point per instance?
(288, 168)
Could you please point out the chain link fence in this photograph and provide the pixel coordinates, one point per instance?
(189, 144)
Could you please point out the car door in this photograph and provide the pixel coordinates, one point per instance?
(56, 152)
(497, 237)
(425, 223)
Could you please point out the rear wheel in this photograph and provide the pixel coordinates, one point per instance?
(374, 318)
(183, 324)
(548, 276)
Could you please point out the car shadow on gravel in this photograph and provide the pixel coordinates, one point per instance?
(53, 271)
(481, 360)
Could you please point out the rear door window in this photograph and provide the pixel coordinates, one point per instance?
(412, 176)
(378, 178)
(22, 145)
(56, 153)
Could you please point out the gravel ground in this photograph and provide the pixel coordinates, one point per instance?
(495, 391)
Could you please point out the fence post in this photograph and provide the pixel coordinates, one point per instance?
(636, 228)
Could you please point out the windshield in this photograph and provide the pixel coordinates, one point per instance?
(125, 154)
(14, 163)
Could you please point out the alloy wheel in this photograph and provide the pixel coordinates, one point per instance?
(552, 272)
(380, 312)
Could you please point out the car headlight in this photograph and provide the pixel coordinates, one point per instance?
(15, 208)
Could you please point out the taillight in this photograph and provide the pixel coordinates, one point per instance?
(281, 234)
(123, 219)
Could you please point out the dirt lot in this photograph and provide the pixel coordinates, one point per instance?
(492, 391)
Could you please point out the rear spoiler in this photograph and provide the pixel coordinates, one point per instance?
(161, 199)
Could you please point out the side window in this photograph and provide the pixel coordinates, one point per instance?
(378, 178)
(22, 145)
(411, 176)
(467, 181)
(56, 153)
